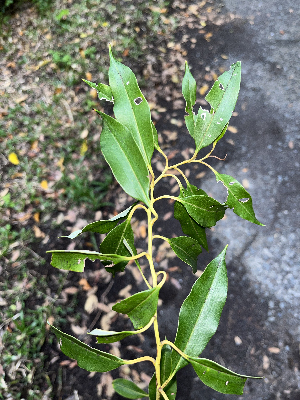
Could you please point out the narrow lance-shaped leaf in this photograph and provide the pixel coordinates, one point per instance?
(112, 336)
(165, 371)
(128, 389)
(188, 225)
(189, 89)
(200, 312)
(102, 226)
(87, 358)
(74, 260)
(104, 91)
(208, 126)
(205, 210)
(187, 249)
(114, 243)
(140, 307)
(124, 158)
(238, 198)
(130, 107)
(219, 378)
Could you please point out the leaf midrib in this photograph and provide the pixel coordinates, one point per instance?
(204, 303)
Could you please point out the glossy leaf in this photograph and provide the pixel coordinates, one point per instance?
(128, 389)
(152, 387)
(187, 249)
(205, 210)
(130, 107)
(165, 371)
(74, 260)
(238, 198)
(189, 89)
(88, 358)
(104, 91)
(219, 378)
(110, 336)
(124, 158)
(200, 312)
(189, 226)
(102, 226)
(140, 307)
(114, 242)
(208, 126)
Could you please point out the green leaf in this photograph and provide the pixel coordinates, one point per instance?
(189, 89)
(165, 371)
(187, 249)
(104, 91)
(128, 389)
(238, 198)
(130, 107)
(205, 210)
(124, 158)
(200, 312)
(140, 307)
(74, 260)
(219, 378)
(222, 97)
(102, 226)
(189, 226)
(110, 336)
(152, 387)
(155, 136)
(114, 243)
(87, 358)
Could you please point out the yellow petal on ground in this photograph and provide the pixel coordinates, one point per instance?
(203, 89)
(13, 158)
(44, 184)
(83, 148)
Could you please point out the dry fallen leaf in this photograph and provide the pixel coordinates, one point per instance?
(232, 129)
(274, 350)
(37, 232)
(203, 89)
(91, 303)
(125, 292)
(237, 340)
(79, 330)
(85, 285)
(266, 362)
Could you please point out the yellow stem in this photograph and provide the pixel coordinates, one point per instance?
(140, 359)
(161, 391)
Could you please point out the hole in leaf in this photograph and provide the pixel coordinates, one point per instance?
(204, 372)
(203, 115)
(221, 86)
(231, 183)
(138, 101)
(244, 200)
(218, 123)
(221, 119)
(226, 383)
(127, 83)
